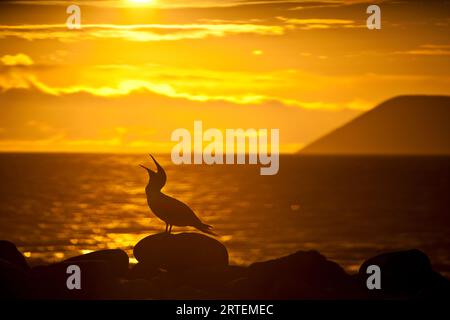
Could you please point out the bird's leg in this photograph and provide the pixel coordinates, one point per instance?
(170, 229)
(167, 226)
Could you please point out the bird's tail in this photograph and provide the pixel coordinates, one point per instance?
(206, 228)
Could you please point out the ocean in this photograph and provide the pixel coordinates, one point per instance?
(54, 206)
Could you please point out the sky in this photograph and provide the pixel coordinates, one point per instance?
(138, 70)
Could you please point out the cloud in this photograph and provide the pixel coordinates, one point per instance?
(13, 80)
(335, 3)
(428, 50)
(140, 33)
(19, 59)
(282, 88)
(40, 126)
(129, 87)
(308, 24)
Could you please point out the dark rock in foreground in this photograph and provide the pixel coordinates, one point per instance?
(10, 253)
(302, 275)
(406, 274)
(181, 251)
(205, 283)
(137, 289)
(14, 281)
(182, 266)
(98, 281)
(116, 259)
(194, 266)
(14, 272)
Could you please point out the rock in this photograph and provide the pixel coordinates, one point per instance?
(98, 281)
(188, 293)
(14, 281)
(117, 260)
(239, 289)
(211, 279)
(160, 282)
(437, 288)
(181, 251)
(9, 252)
(136, 289)
(302, 275)
(143, 270)
(404, 274)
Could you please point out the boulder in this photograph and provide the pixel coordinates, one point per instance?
(212, 277)
(302, 275)
(210, 280)
(181, 251)
(10, 253)
(437, 288)
(404, 274)
(14, 281)
(136, 289)
(160, 282)
(143, 270)
(187, 293)
(117, 260)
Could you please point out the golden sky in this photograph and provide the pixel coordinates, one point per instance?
(137, 70)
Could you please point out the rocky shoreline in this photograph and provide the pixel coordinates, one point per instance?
(195, 266)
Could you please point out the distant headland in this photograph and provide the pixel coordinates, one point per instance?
(404, 125)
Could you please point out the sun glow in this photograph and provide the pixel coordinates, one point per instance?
(142, 2)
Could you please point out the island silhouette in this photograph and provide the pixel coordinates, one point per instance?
(404, 125)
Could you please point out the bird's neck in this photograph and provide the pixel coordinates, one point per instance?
(152, 189)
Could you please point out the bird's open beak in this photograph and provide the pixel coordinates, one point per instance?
(144, 167)
(160, 170)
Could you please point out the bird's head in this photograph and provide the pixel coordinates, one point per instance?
(157, 179)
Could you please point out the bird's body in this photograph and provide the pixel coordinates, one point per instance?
(170, 210)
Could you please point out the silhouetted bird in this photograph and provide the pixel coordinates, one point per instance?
(172, 211)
